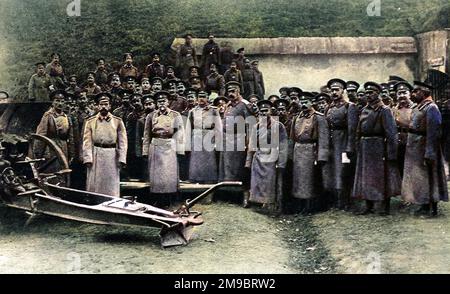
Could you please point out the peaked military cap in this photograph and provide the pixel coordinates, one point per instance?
(373, 86)
(352, 85)
(333, 83)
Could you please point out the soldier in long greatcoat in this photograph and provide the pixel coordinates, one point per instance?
(310, 134)
(164, 138)
(186, 57)
(38, 86)
(235, 128)
(342, 117)
(266, 157)
(104, 149)
(402, 114)
(249, 78)
(377, 177)
(203, 134)
(424, 182)
(260, 89)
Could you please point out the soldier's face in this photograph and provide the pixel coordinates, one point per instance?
(233, 94)
(130, 85)
(351, 95)
(170, 72)
(40, 69)
(136, 102)
(305, 104)
(233, 66)
(126, 100)
(403, 95)
(82, 102)
(181, 89)
(115, 82)
(213, 68)
(202, 102)
(194, 71)
(157, 86)
(101, 65)
(255, 65)
(146, 85)
(128, 60)
(322, 105)
(281, 110)
(336, 93)
(149, 106)
(294, 98)
(156, 59)
(73, 82)
(188, 40)
(172, 90)
(104, 107)
(55, 59)
(58, 102)
(90, 79)
(253, 100)
(372, 96)
(162, 103)
(191, 99)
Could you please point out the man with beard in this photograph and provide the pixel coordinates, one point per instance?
(157, 84)
(181, 89)
(126, 108)
(128, 69)
(424, 180)
(249, 78)
(342, 117)
(176, 102)
(259, 80)
(310, 134)
(163, 140)
(235, 127)
(130, 84)
(233, 74)
(210, 54)
(73, 88)
(293, 94)
(91, 87)
(203, 134)
(221, 103)
(385, 97)
(186, 57)
(402, 115)
(56, 125)
(320, 103)
(56, 72)
(214, 82)
(253, 104)
(266, 159)
(361, 101)
(146, 87)
(170, 75)
(101, 74)
(115, 89)
(105, 146)
(377, 177)
(196, 83)
(351, 89)
(155, 69)
(134, 168)
(38, 86)
(191, 99)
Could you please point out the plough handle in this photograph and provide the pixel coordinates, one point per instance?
(190, 203)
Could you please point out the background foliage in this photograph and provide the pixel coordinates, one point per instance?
(32, 29)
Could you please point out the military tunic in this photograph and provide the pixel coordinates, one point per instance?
(233, 157)
(267, 152)
(128, 71)
(164, 137)
(105, 146)
(186, 57)
(310, 134)
(342, 120)
(178, 104)
(403, 119)
(234, 76)
(248, 75)
(377, 175)
(56, 73)
(423, 184)
(38, 87)
(259, 81)
(215, 83)
(203, 133)
(155, 70)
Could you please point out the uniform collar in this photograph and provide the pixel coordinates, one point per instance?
(55, 114)
(107, 118)
(425, 102)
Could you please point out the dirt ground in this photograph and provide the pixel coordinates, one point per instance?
(234, 240)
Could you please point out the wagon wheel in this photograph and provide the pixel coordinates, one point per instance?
(55, 162)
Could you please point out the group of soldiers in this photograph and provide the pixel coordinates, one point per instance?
(301, 151)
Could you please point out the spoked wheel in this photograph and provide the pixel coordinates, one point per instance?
(54, 163)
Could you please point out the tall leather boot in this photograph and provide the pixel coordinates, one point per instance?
(369, 208)
(245, 202)
(386, 207)
(340, 200)
(434, 209)
(423, 210)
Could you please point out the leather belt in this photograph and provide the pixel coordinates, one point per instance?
(160, 136)
(372, 135)
(415, 132)
(306, 141)
(334, 128)
(100, 145)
